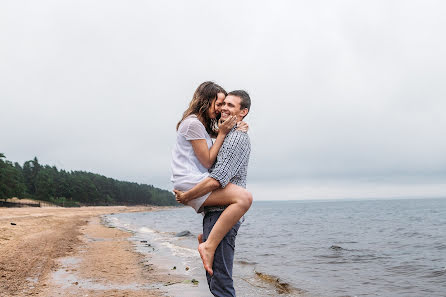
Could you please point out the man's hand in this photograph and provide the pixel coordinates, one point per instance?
(180, 197)
(205, 186)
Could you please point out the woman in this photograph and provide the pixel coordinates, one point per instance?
(194, 154)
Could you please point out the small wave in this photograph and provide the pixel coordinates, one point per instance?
(365, 258)
(328, 256)
(337, 262)
(407, 269)
(181, 251)
(436, 273)
(414, 234)
(440, 246)
(146, 230)
(267, 255)
(242, 262)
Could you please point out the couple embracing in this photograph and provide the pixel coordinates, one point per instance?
(211, 176)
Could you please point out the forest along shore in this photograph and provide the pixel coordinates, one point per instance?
(69, 252)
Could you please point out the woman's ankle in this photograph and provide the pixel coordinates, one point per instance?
(210, 246)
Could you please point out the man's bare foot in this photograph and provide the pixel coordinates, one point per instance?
(200, 238)
(207, 257)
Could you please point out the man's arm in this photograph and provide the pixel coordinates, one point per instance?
(207, 185)
(234, 151)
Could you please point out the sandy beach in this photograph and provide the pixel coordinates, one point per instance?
(69, 252)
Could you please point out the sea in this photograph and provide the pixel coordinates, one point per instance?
(308, 248)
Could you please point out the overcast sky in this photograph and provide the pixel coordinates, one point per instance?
(348, 97)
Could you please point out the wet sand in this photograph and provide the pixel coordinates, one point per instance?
(69, 252)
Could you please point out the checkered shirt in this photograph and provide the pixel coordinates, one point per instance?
(232, 162)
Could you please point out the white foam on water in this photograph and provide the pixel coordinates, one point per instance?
(146, 230)
(181, 251)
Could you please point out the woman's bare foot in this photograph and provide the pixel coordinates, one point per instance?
(200, 238)
(207, 257)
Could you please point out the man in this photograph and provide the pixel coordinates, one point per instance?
(231, 167)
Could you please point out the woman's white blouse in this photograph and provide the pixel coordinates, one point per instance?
(187, 171)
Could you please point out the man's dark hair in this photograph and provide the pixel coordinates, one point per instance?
(246, 100)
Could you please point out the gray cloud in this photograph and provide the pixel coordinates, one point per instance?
(342, 91)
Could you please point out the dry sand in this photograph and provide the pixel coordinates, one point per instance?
(68, 252)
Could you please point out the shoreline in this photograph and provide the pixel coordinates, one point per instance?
(74, 252)
(71, 252)
(167, 250)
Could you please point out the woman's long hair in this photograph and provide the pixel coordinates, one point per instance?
(204, 96)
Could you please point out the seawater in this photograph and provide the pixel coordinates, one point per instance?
(318, 248)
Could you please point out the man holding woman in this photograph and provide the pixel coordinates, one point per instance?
(224, 185)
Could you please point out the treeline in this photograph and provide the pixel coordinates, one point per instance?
(73, 188)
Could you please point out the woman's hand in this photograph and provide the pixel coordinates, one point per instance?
(180, 197)
(242, 126)
(227, 125)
